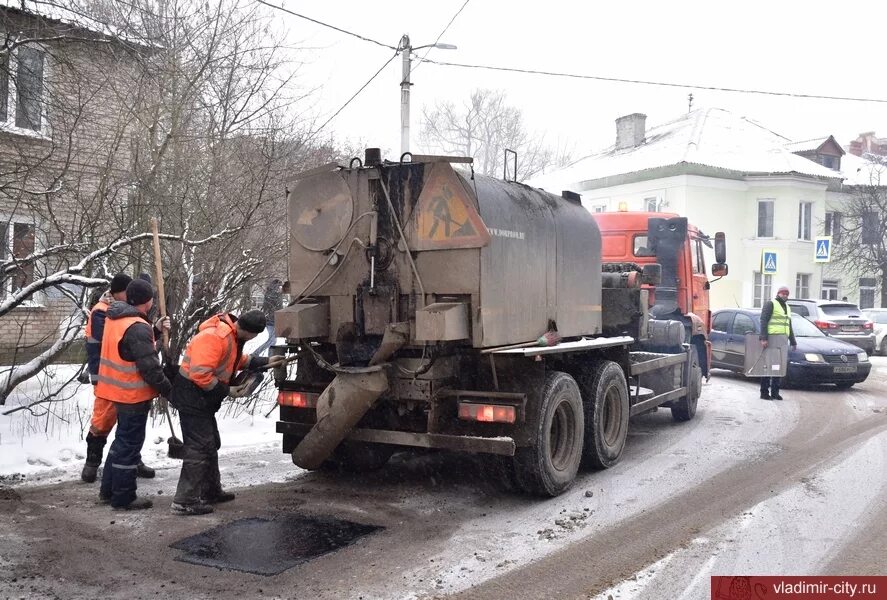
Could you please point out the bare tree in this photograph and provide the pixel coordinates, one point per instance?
(483, 128)
(860, 246)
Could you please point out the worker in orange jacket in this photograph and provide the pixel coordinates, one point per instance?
(211, 359)
(130, 376)
(104, 415)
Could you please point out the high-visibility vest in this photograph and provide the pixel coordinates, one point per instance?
(101, 305)
(119, 379)
(779, 320)
(212, 355)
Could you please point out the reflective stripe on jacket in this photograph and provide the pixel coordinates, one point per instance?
(212, 355)
(780, 320)
(119, 379)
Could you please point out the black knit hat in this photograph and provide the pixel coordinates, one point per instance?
(145, 277)
(119, 282)
(252, 321)
(138, 292)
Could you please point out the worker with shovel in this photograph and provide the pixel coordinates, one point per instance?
(104, 415)
(212, 358)
(130, 376)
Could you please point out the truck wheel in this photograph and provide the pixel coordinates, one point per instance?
(605, 396)
(361, 457)
(549, 466)
(685, 408)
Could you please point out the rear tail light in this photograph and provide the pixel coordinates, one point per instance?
(827, 325)
(868, 325)
(297, 399)
(487, 413)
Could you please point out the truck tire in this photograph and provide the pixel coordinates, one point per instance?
(605, 396)
(549, 466)
(361, 457)
(685, 408)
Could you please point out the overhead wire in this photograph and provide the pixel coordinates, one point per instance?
(654, 83)
(440, 35)
(333, 27)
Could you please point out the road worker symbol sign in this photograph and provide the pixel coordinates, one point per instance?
(822, 249)
(446, 217)
(768, 262)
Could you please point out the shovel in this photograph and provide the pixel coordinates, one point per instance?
(176, 448)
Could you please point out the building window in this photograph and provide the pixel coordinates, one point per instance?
(867, 292)
(833, 226)
(805, 220)
(598, 208)
(831, 162)
(763, 288)
(802, 285)
(17, 242)
(829, 289)
(22, 88)
(652, 204)
(765, 218)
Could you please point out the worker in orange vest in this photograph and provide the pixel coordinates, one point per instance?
(130, 376)
(104, 416)
(211, 359)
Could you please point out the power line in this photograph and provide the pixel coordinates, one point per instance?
(643, 82)
(341, 108)
(339, 29)
(458, 12)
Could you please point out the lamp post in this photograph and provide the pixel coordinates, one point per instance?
(406, 52)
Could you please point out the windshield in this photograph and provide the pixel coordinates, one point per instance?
(804, 328)
(841, 310)
(877, 317)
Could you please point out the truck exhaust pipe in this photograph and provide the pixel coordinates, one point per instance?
(347, 399)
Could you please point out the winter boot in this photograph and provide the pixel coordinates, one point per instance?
(137, 504)
(95, 445)
(198, 508)
(144, 471)
(220, 496)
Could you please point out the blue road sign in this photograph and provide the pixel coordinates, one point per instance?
(768, 262)
(822, 249)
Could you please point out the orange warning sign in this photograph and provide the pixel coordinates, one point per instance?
(446, 217)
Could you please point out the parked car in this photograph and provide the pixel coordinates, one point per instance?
(818, 358)
(878, 316)
(841, 320)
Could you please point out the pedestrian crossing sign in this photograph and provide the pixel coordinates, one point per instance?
(822, 249)
(768, 262)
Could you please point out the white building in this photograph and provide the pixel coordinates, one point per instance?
(725, 173)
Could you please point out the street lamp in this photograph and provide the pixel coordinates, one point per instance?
(406, 50)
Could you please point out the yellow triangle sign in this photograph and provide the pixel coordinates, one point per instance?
(446, 217)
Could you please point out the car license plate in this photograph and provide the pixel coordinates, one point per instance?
(851, 327)
(847, 369)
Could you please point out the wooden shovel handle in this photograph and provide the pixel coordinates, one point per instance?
(161, 293)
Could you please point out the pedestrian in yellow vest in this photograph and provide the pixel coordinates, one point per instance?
(776, 319)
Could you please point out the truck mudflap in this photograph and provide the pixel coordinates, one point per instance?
(503, 446)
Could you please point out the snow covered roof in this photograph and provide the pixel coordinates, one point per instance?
(74, 14)
(710, 137)
(815, 144)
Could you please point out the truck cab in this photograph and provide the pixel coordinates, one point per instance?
(625, 239)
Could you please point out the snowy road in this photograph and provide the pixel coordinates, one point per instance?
(749, 486)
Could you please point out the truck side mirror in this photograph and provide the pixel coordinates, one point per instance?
(721, 249)
(719, 270)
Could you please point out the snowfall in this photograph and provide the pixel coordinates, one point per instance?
(46, 442)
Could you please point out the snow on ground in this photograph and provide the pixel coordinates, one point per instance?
(46, 443)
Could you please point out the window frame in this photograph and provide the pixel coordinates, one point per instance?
(763, 282)
(9, 124)
(868, 287)
(805, 220)
(805, 286)
(772, 203)
(829, 285)
(7, 249)
(832, 225)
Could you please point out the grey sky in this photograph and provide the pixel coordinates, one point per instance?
(802, 47)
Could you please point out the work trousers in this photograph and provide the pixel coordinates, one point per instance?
(771, 384)
(199, 480)
(104, 416)
(121, 466)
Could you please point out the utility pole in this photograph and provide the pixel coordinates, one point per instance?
(405, 84)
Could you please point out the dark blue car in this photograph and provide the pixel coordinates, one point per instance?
(817, 359)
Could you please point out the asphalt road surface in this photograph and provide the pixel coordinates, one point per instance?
(748, 487)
